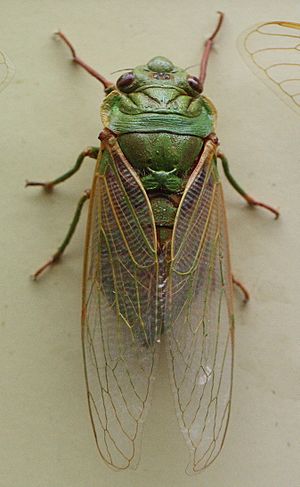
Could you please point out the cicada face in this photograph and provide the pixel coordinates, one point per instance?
(160, 87)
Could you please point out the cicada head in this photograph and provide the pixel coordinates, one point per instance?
(159, 87)
(158, 96)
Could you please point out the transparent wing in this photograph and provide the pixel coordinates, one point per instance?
(272, 51)
(200, 331)
(7, 70)
(120, 324)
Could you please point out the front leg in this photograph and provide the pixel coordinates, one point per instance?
(251, 201)
(108, 85)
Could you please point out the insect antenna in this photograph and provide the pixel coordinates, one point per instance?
(121, 70)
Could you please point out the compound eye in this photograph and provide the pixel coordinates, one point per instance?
(125, 81)
(194, 83)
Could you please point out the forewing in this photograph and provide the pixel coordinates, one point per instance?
(200, 331)
(120, 326)
(7, 70)
(272, 51)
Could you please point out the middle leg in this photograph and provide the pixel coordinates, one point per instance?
(250, 200)
(48, 185)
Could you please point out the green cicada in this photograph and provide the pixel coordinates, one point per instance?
(156, 265)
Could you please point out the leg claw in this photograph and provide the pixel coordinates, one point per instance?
(47, 264)
(244, 290)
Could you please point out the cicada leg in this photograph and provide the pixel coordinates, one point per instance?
(207, 49)
(106, 83)
(241, 286)
(251, 201)
(56, 256)
(48, 186)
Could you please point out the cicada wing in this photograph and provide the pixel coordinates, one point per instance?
(7, 70)
(120, 325)
(200, 329)
(272, 51)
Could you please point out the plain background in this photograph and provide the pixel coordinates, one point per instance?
(49, 113)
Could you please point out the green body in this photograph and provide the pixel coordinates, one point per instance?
(161, 122)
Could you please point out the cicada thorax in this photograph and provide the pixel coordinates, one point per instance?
(161, 121)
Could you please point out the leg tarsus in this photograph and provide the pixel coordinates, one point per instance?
(49, 185)
(242, 288)
(57, 255)
(106, 83)
(251, 201)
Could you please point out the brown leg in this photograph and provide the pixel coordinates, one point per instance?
(242, 288)
(207, 48)
(252, 202)
(106, 83)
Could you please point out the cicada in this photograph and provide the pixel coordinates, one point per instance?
(271, 49)
(156, 266)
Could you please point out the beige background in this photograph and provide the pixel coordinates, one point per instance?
(49, 113)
